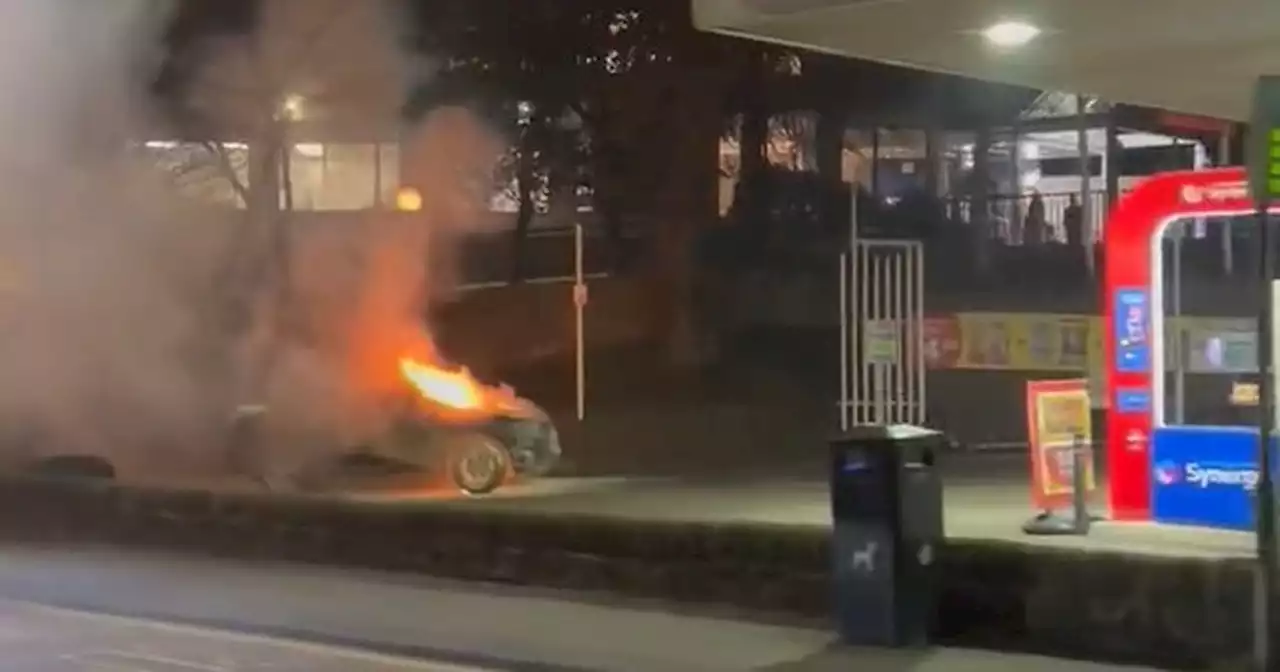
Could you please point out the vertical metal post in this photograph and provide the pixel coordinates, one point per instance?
(1018, 217)
(877, 370)
(579, 307)
(844, 342)
(1175, 310)
(853, 214)
(863, 385)
(1086, 182)
(1266, 526)
(898, 316)
(921, 374)
(856, 286)
(1224, 159)
(1111, 168)
(1080, 484)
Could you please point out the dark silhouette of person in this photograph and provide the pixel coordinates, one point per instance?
(1035, 225)
(1073, 222)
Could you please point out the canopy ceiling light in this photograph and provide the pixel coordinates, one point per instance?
(1010, 34)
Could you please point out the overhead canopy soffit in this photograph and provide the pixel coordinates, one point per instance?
(1189, 56)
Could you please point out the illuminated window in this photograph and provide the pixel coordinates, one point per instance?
(323, 176)
(344, 176)
(900, 155)
(856, 159)
(333, 176)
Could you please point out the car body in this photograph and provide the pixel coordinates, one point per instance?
(477, 452)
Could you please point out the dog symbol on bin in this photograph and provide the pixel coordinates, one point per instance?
(864, 561)
(925, 556)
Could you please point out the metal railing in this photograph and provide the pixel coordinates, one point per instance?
(1007, 215)
(882, 378)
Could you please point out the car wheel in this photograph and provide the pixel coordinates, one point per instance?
(478, 464)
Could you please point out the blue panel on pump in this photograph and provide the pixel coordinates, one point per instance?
(1205, 476)
(1132, 400)
(1132, 331)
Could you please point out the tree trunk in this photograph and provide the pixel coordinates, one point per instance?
(688, 197)
(655, 144)
(611, 172)
(829, 148)
(266, 265)
(752, 208)
(830, 144)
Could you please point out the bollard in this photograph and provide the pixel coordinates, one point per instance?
(1080, 485)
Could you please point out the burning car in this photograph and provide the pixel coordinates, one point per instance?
(479, 434)
(443, 421)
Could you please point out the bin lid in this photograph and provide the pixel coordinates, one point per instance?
(887, 433)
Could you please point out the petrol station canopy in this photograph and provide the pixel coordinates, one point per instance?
(1193, 56)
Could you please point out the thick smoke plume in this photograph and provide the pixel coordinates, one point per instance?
(133, 319)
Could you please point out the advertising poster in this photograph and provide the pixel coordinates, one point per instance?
(1058, 420)
(987, 341)
(1029, 342)
(1075, 342)
(942, 342)
(1042, 346)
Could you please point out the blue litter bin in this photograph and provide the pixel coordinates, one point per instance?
(886, 511)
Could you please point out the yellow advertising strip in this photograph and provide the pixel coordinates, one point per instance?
(1073, 343)
(1029, 341)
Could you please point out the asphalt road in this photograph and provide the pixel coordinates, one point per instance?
(40, 639)
(472, 626)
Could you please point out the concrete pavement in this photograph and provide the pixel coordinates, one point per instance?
(467, 624)
(987, 496)
(987, 506)
(40, 639)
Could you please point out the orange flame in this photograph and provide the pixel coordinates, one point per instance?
(455, 389)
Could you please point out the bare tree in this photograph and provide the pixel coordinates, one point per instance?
(308, 69)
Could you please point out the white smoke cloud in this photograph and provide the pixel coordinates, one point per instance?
(114, 336)
(102, 336)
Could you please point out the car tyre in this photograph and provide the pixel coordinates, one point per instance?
(478, 463)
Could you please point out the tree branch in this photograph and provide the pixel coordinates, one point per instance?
(222, 163)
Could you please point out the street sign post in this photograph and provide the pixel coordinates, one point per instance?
(1264, 186)
(579, 325)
